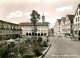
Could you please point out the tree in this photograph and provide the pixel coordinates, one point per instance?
(34, 19)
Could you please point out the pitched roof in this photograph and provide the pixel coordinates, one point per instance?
(7, 22)
(63, 19)
(30, 24)
(59, 21)
(71, 17)
(77, 8)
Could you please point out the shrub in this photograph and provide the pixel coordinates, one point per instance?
(45, 44)
(38, 51)
(40, 39)
(28, 41)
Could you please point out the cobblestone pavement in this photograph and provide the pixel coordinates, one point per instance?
(63, 48)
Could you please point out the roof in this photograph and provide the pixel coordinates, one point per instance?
(63, 19)
(71, 17)
(59, 21)
(30, 24)
(8, 22)
(77, 8)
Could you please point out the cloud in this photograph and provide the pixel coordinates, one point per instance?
(52, 20)
(32, 1)
(64, 8)
(51, 1)
(17, 14)
(27, 14)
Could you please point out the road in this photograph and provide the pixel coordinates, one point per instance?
(63, 48)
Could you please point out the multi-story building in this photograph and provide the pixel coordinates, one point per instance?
(69, 25)
(42, 28)
(57, 28)
(9, 30)
(77, 23)
(62, 27)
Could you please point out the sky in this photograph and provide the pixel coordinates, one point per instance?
(17, 11)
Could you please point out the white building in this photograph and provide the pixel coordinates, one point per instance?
(69, 25)
(57, 28)
(62, 27)
(42, 28)
(77, 23)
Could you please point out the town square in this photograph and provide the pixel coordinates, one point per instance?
(39, 29)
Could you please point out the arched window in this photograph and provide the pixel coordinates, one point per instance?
(35, 34)
(32, 34)
(41, 34)
(38, 34)
(26, 34)
(44, 34)
(29, 34)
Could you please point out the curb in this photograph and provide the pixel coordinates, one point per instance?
(45, 52)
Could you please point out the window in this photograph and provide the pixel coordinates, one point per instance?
(41, 34)
(29, 34)
(38, 34)
(26, 34)
(79, 12)
(78, 25)
(75, 32)
(41, 30)
(44, 34)
(78, 18)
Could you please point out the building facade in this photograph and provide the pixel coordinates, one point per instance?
(42, 28)
(77, 23)
(69, 25)
(57, 28)
(62, 27)
(9, 30)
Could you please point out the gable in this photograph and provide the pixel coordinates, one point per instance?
(56, 22)
(70, 18)
(67, 18)
(78, 7)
